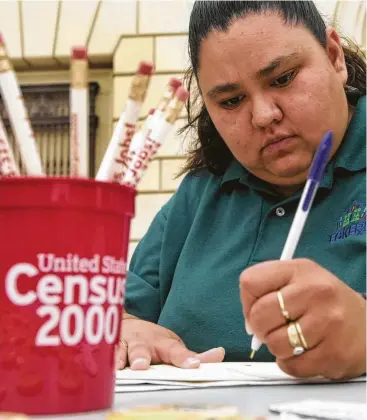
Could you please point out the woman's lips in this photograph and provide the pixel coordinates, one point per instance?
(279, 145)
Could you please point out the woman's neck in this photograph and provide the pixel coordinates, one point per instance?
(288, 190)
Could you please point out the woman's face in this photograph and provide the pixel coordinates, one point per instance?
(272, 92)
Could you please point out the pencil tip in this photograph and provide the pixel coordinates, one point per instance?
(252, 355)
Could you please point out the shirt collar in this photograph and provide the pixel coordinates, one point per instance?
(351, 156)
(233, 173)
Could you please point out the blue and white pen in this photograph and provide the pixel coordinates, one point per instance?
(313, 181)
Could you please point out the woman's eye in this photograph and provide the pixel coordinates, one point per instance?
(232, 102)
(285, 79)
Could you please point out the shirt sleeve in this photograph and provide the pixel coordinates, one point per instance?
(154, 261)
(142, 297)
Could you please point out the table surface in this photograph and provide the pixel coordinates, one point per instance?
(250, 400)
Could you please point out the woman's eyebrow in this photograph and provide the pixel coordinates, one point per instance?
(274, 64)
(224, 88)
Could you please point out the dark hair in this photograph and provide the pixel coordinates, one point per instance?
(208, 150)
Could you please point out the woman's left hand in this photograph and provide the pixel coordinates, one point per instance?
(332, 317)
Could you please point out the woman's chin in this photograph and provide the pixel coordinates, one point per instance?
(288, 170)
(288, 176)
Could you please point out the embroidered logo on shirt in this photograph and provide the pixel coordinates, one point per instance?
(351, 223)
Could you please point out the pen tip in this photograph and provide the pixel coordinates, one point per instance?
(252, 355)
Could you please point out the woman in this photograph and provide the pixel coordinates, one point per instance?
(272, 81)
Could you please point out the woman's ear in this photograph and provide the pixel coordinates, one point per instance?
(334, 50)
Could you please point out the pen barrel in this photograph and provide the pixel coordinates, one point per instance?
(139, 87)
(299, 220)
(79, 74)
(113, 164)
(140, 158)
(19, 119)
(5, 63)
(8, 166)
(79, 144)
(79, 114)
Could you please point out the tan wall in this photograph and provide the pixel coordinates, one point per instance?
(119, 34)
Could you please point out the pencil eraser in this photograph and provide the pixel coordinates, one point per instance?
(175, 83)
(2, 41)
(145, 68)
(79, 53)
(182, 94)
(151, 111)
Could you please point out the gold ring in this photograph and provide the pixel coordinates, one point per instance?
(284, 312)
(301, 336)
(293, 336)
(124, 343)
(295, 340)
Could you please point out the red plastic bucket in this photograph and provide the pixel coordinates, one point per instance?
(63, 250)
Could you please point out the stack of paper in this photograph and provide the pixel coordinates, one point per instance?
(323, 410)
(223, 374)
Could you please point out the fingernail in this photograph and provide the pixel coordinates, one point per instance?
(223, 350)
(191, 362)
(120, 364)
(140, 364)
(215, 350)
(248, 328)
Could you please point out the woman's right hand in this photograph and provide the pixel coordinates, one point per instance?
(144, 343)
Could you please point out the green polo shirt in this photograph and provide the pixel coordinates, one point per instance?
(184, 274)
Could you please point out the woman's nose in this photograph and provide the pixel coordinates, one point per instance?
(265, 112)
